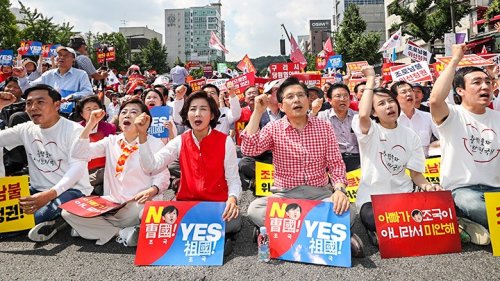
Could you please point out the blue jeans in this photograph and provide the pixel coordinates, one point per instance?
(51, 211)
(469, 202)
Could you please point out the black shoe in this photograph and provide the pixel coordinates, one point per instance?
(373, 237)
(357, 247)
(46, 230)
(228, 246)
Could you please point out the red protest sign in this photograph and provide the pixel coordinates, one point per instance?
(311, 80)
(355, 68)
(321, 60)
(246, 65)
(208, 70)
(468, 60)
(193, 64)
(283, 70)
(331, 80)
(109, 55)
(90, 206)
(412, 73)
(259, 83)
(197, 84)
(353, 82)
(241, 82)
(436, 69)
(416, 224)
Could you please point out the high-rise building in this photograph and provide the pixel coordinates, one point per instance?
(187, 32)
(319, 31)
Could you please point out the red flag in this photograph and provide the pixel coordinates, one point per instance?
(246, 65)
(328, 48)
(484, 50)
(215, 43)
(296, 55)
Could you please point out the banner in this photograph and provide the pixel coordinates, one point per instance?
(334, 62)
(160, 115)
(416, 224)
(197, 84)
(493, 212)
(12, 217)
(242, 82)
(246, 65)
(355, 68)
(181, 233)
(468, 60)
(416, 53)
(283, 70)
(495, 58)
(219, 83)
(215, 43)
(308, 231)
(6, 57)
(109, 55)
(412, 73)
(90, 206)
(311, 80)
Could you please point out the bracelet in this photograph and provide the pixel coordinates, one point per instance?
(157, 189)
(340, 188)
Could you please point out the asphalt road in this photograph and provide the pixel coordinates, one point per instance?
(67, 258)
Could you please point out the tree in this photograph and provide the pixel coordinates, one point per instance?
(428, 20)
(8, 27)
(154, 56)
(352, 42)
(119, 42)
(311, 61)
(493, 10)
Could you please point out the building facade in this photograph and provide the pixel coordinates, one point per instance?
(138, 37)
(187, 33)
(372, 11)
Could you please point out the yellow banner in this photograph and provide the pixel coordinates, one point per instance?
(493, 212)
(12, 217)
(264, 178)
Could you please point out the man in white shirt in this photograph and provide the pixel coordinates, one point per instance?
(469, 140)
(55, 177)
(113, 108)
(417, 120)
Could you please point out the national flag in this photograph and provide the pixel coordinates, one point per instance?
(393, 42)
(295, 53)
(215, 43)
(246, 65)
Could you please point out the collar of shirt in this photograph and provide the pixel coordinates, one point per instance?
(122, 137)
(287, 125)
(350, 113)
(196, 140)
(59, 74)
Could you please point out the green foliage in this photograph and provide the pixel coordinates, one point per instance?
(118, 41)
(8, 27)
(311, 62)
(352, 42)
(152, 56)
(38, 27)
(426, 23)
(196, 73)
(493, 10)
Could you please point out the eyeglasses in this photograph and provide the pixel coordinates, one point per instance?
(291, 96)
(341, 97)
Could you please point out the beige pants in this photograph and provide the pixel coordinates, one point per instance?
(257, 209)
(104, 228)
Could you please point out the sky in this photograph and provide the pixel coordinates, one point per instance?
(252, 27)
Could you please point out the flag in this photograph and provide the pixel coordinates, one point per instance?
(295, 53)
(111, 79)
(394, 57)
(484, 51)
(215, 43)
(328, 48)
(393, 42)
(246, 65)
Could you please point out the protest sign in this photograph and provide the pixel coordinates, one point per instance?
(468, 60)
(386, 70)
(355, 68)
(208, 71)
(495, 58)
(353, 82)
(219, 83)
(221, 67)
(416, 53)
(6, 57)
(90, 206)
(308, 231)
(66, 107)
(493, 212)
(264, 178)
(192, 64)
(246, 65)
(197, 84)
(310, 80)
(332, 80)
(413, 73)
(260, 82)
(12, 217)
(283, 70)
(242, 82)
(181, 233)
(436, 69)
(416, 224)
(321, 60)
(108, 56)
(160, 115)
(334, 62)
(30, 48)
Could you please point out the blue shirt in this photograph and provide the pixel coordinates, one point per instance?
(75, 82)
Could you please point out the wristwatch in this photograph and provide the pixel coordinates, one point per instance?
(340, 188)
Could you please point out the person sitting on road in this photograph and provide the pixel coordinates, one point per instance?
(469, 142)
(207, 157)
(55, 176)
(124, 180)
(386, 150)
(305, 155)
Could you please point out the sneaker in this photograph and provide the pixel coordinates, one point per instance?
(357, 247)
(372, 235)
(128, 236)
(478, 234)
(74, 233)
(46, 230)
